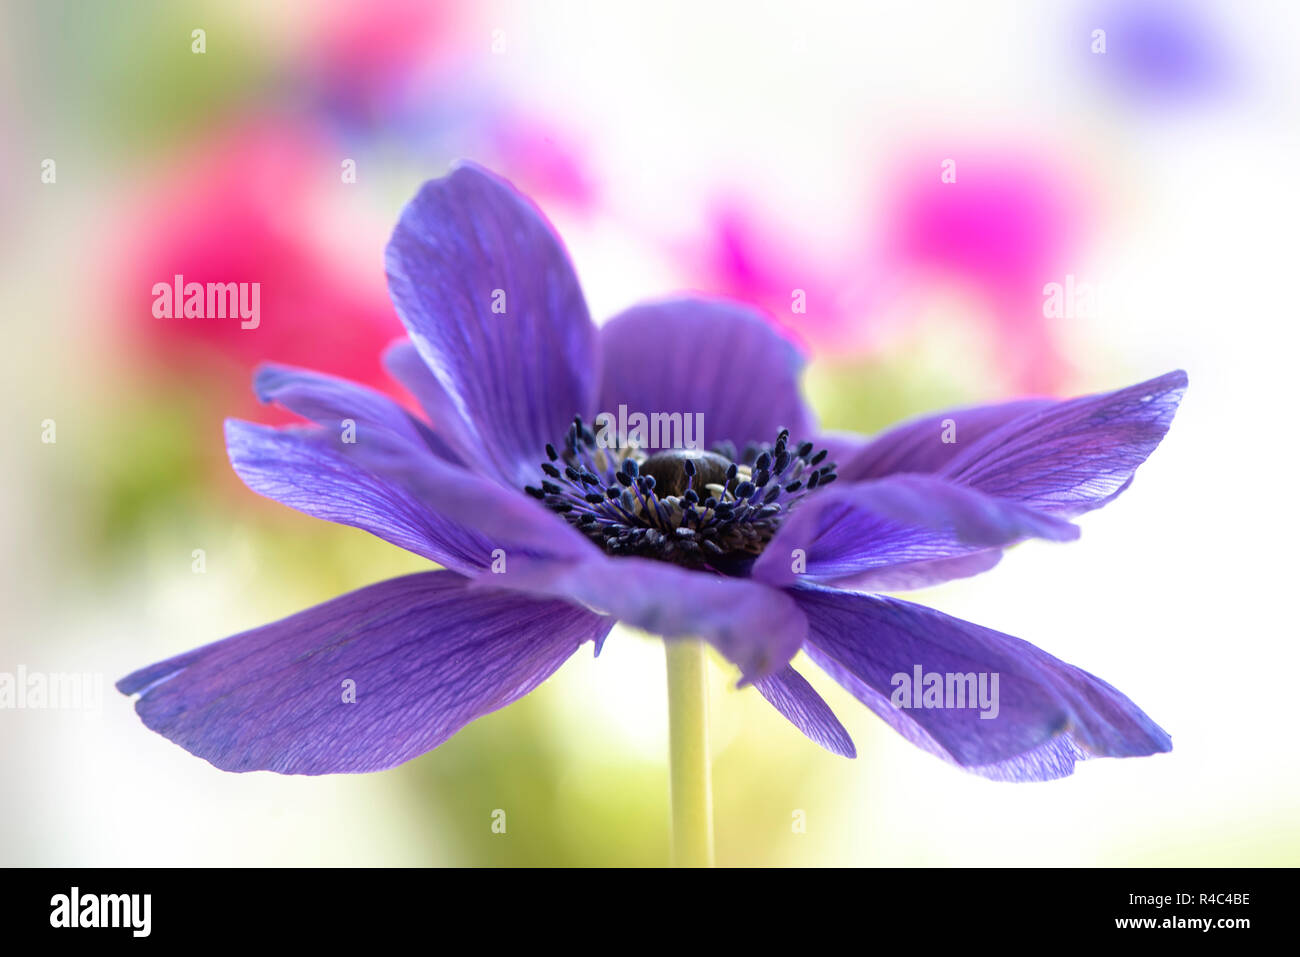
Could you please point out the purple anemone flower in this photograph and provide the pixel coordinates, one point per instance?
(766, 539)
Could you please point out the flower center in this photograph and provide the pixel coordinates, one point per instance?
(669, 470)
(711, 509)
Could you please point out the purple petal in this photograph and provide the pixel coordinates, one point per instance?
(757, 628)
(405, 364)
(843, 447)
(1076, 455)
(468, 243)
(923, 574)
(1049, 714)
(331, 402)
(424, 655)
(919, 446)
(404, 496)
(791, 694)
(900, 520)
(705, 356)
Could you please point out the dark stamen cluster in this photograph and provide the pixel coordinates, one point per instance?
(698, 508)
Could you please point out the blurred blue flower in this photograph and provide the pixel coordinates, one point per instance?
(1159, 51)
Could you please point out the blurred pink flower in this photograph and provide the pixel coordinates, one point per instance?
(366, 58)
(1010, 223)
(544, 160)
(748, 258)
(263, 202)
(422, 75)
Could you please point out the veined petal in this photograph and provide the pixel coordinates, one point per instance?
(757, 628)
(712, 357)
(791, 694)
(1072, 456)
(412, 499)
(335, 403)
(361, 683)
(405, 364)
(899, 520)
(843, 446)
(1059, 456)
(491, 302)
(1044, 715)
(928, 443)
(920, 574)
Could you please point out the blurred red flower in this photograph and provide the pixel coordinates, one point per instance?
(265, 203)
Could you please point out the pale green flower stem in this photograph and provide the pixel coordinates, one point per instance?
(688, 753)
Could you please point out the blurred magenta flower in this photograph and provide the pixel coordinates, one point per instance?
(1008, 223)
(548, 531)
(367, 59)
(547, 159)
(826, 305)
(420, 74)
(259, 202)
(261, 198)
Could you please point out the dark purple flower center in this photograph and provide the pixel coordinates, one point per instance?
(712, 509)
